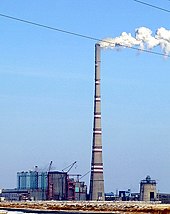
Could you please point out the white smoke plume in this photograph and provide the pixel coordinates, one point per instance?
(143, 39)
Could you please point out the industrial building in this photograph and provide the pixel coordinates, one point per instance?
(63, 187)
(51, 185)
(57, 186)
(80, 191)
(148, 190)
(147, 193)
(15, 195)
(32, 180)
(164, 198)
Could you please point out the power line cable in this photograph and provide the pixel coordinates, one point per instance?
(153, 6)
(75, 34)
(48, 27)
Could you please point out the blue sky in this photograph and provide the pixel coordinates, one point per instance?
(47, 89)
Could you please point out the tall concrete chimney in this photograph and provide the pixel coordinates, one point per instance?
(96, 181)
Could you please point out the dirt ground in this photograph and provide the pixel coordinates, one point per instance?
(88, 207)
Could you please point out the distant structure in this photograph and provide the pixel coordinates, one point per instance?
(148, 189)
(80, 191)
(33, 181)
(63, 187)
(96, 180)
(57, 186)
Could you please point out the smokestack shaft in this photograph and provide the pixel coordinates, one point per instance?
(96, 180)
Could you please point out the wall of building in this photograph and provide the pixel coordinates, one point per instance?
(15, 194)
(31, 180)
(57, 186)
(80, 191)
(148, 190)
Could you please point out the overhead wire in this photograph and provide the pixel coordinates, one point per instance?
(76, 34)
(48, 27)
(151, 5)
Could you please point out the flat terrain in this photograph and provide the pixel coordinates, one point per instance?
(88, 207)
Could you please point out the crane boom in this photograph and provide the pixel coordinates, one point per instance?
(70, 167)
(49, 168)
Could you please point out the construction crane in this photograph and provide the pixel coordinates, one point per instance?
(50, 184)
(50, 166)
(69, 167)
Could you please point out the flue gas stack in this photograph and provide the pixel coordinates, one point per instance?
(96, 180)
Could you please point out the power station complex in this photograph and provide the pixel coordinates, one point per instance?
(56, 185)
